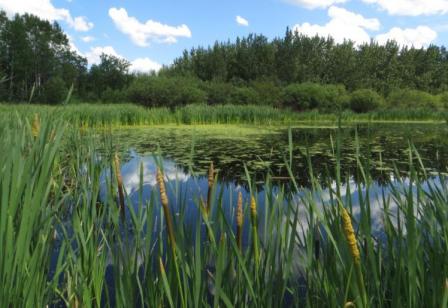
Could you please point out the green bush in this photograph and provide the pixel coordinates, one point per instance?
(114, 96)
(268, 92)
(156, 91)
(54, 91)
(244, 96)
(314, 96)
(365, 100)
(443, 100)
(218, 93)
(405, 98)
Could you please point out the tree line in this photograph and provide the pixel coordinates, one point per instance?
(295, 71)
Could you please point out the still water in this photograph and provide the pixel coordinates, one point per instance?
(186, 153)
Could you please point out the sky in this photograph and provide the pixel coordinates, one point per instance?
(152, 33)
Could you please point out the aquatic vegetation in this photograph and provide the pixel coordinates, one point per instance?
(64, 240)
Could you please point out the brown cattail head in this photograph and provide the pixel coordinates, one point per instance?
(166, 209)
(162, 189)
(350, 235)
(211, 180)
(239, 220)
(239, 210)
(211, 175)
(35, 127)
(253, 208)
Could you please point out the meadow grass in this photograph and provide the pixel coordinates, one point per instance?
(63, 244)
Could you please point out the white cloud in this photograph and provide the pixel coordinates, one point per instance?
(139, 65)
(144, 65)
(412, 7)
(346, 25)
(418, 37)
(45, 10)
(93, 56)
(87, 39)
(343, 25)
(316, 4)
(81, 24)
(142, 33)
(242, 21)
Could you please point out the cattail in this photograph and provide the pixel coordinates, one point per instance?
(350, 235)
(166, 209)
(35, 127)
(119, 183)
(239, 221)
(253, 213)
(211, 180)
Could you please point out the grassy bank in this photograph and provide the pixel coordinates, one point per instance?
(62, 243)
(129, 114)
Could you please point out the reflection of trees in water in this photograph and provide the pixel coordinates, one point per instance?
(382, 148)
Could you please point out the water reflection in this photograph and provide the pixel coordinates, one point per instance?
(185, 192)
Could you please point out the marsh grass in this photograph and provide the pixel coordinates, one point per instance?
(50, 187)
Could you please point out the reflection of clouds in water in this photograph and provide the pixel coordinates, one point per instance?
(130, 172)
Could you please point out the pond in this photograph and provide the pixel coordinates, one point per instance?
(187, 151)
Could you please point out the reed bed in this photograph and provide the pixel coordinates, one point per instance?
(63, 241)
(98, 115)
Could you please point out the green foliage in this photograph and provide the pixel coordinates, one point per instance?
(314, 96)
(244, 96)
(217, 92)
(365, 100)
(409, 98)
(114, 96)
(153, 91)
(54, 91)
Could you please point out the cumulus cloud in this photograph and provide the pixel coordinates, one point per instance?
(346, 25)
(422, 36)
(343, 25)
(316, 4)
(93, 55)
(412, 7)
(142, 33)
(87, 39)
(80, 24)
(139, 65)
(242, 21)
(144, 65)
(45, 10)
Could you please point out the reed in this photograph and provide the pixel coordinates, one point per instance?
(239, 221)
(166, 210)
(97, 259)
(211, 181)
(119, 184)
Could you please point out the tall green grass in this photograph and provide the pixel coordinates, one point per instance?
(62, 243)
(129, 114)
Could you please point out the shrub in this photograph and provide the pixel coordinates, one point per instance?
(365, 100)
(114, 96)
(163, 91)
(218, 93)
(244, 96)
(268, 92)
(54, 91)
(312, 95)
(412, 98)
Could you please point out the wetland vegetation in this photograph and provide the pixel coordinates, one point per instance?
(256, 173)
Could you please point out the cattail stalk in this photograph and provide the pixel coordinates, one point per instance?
(35, 127)
(253, 214)
(119, 184)
(354, 251)
(239, 221)
(166, 209)
(211, 181)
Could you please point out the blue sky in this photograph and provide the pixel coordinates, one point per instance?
(153, 33)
